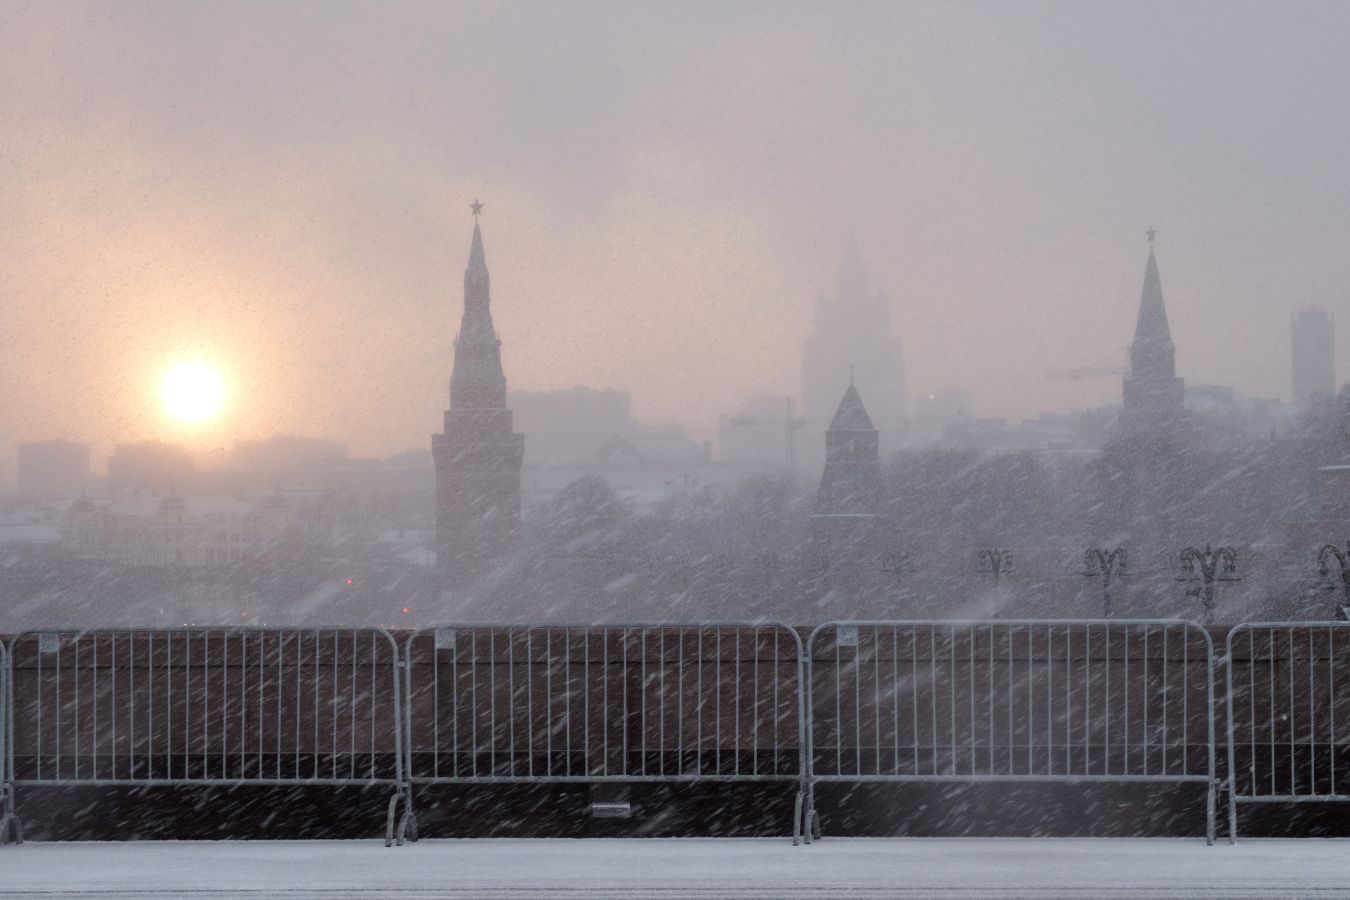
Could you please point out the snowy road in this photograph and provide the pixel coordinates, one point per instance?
(678, 869)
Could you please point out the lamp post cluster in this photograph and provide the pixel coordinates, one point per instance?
(1324, 556)
(1213, 566)
(1107, 565)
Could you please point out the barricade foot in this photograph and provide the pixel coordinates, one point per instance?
(11, 829)
(389, 819)
(797, 820)
(813, 826)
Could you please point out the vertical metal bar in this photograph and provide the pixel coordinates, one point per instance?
(114, 708)
(1087, 700)
(548, 700)
(1293, 713)
(78, 707)
(351, 713)
(281, 652)
(1106, 741)
(1167, 664)
(1012, 693)
(914, 692)
(567, 692)
(623, 636)
(951, 711)
(661, 703)
(736, 721)
(933, 690)
(1050, 699)
(511, 751)
(1270, 677)
(1068, 700)
(895, 699)
(754, 740)
(333, 706)
(131, 703)
(1031, 701)
(989, 700)
(299, 699)
(1331, 702)
(1312, 721)
(604, 701)
(876, 694)
(318, 662)
(529, 700)
(680, 705)
(1144, 701)
(838, 706)
(586, 700)
(717, 701)
(1125, 679)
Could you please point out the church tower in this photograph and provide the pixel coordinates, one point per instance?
(478, 456)
(1154, 395)
(848, 507)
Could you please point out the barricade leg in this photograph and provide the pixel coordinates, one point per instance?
(407, 824)
(1210, 802)
(390, 817)
(11, 829)
(1232, 813)
(797, 818)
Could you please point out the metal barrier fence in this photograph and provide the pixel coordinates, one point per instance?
(1009, 701)
(604, 704)
(10, 829)
(209, 706)
(1288, 730)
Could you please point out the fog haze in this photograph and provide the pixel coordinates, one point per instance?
(666, 190)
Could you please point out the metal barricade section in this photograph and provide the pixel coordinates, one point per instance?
(210, 706)
(1288, 724)
(1076, 701)
(614, 703)
(10, 829)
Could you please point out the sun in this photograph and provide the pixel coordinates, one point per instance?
(194, 393)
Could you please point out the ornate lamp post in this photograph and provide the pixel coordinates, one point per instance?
(1107, 564)
(1323, 559)
(1214, 565)
(999, 561)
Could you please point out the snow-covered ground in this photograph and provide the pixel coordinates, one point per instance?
(674, 869)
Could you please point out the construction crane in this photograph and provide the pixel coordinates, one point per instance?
(1096, 370)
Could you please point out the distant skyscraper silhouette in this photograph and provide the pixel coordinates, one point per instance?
(1313, 355)
(1154, 395)
(478, 456)
(852, 330)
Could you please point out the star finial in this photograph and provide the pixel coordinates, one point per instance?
(1151, 234)
(476, 207)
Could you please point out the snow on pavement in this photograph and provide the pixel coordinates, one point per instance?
(673, 869)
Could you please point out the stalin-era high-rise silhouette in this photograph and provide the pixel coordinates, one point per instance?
(478, 457)
(1154, 395)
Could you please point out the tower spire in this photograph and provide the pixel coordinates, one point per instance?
(1154, 395)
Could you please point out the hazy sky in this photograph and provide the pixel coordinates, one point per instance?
(282, 188)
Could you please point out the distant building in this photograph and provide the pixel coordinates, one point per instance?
(478, 456)
(1154, 396)
(172, 530)
(566, 428)
(52, 469)
(757, 433)
(284, 453)
(1312, 355)
(848, 503)
(151, 466)
(852, 330)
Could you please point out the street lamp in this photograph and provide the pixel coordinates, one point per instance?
(999, 561)
(1107, 564)
(1323, 556)
(1209, 562)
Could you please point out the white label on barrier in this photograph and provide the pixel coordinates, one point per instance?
(445, 638)
(848, 635)
(49, 642)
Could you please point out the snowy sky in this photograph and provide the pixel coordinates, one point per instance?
(282, 190)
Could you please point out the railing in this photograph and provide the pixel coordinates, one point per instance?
(1288, 719)
(604, 704)
(858, 702)
(1075, 701)
(11, 831)
(195, 707)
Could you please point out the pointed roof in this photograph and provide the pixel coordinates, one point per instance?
(477, 258)
(851, 414)
(1152, 323)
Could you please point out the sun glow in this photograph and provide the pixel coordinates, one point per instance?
(194, 393)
